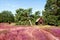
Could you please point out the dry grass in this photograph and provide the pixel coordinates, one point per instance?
(42, 26)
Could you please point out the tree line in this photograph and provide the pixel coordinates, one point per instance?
(22, 16)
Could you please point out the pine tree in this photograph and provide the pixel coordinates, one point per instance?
(52, 12)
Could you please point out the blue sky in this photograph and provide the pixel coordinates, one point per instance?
(12, 5)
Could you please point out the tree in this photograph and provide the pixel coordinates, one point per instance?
(37, 14)
(6, 16)
(51, 13)
(0, 17)
(25, 16)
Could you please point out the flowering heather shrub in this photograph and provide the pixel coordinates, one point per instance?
(28, 33)
(54, 30)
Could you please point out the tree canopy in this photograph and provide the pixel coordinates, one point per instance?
(6, 16)
(25, 16)
(52, 12)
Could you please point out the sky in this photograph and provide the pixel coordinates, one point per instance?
(12, 5)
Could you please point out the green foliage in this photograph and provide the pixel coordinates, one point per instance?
(6, 16)
(52, 12)
(23, 16)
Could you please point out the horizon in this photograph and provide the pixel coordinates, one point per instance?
(13, 5)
